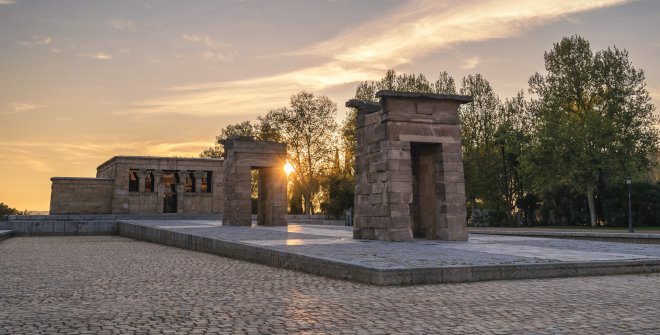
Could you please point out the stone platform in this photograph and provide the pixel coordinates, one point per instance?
(609, 236)
(330, 251)
(5, 234)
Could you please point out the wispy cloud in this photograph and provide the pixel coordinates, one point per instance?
(124, 25)
(37, 40)
(7, 2)
(415, 30)
(470, 63)
(31, 154)
(23, 157)
(18, 107)
(209, 48)
(99, 55)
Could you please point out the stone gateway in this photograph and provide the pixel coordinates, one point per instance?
(243, 155)
(409, 171)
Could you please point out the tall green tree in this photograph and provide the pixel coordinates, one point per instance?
(308, 127)
(479, 136)
(513, 136)
(594, 119)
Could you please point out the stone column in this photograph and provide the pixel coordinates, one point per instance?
(142, 178)
(159, 188)
(181, 190)
(198, 181)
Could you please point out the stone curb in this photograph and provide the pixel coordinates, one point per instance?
(378, 276)
(590, 236)
(60, 228)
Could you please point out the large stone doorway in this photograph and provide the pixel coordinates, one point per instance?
(409, 170)
(242, 156)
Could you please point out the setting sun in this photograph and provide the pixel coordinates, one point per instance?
(288, 168)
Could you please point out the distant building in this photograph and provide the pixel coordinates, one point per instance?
(143, 185)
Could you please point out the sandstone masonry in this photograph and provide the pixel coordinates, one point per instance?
(143, 185)
(242, 156)
(409, 170)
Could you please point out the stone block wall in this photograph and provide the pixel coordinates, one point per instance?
(199, 203)
(409, 170)
(142, 203)
(81, 195)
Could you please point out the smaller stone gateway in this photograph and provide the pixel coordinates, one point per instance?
(242, 156)
(409, 170)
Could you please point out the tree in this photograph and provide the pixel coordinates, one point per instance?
(513, 135)
(339, 187)
(6, 210)
(405, 83)
(479, 137)
(593, 119)
(308, 127)
(245, 128)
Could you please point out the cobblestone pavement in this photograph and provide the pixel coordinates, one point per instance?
(104, 285)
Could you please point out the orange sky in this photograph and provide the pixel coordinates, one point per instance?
(82, 81)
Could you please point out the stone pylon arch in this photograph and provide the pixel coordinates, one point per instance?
(409, 171)
(242, 155)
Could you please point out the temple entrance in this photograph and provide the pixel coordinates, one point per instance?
(169, 181)
(169, 202)
(265, 194)
(423, 208)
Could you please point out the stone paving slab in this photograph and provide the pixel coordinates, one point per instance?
(330, 251)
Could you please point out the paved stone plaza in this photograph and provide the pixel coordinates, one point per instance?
(103, 285)
(330, 251)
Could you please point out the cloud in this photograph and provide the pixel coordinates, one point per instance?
(209, 48)
(22, 156)
(7, 2)
(124, 25)
(470, 63)
(179, 149)
(37, 40)
(66, 150)
(19, 107)
(415, 30)
(96, 55)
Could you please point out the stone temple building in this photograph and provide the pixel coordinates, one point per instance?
(408, 176)
(143, 185)
(161, 185)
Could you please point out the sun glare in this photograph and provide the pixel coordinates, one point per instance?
(288, 168)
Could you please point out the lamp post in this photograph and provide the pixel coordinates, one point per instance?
(630, 225)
